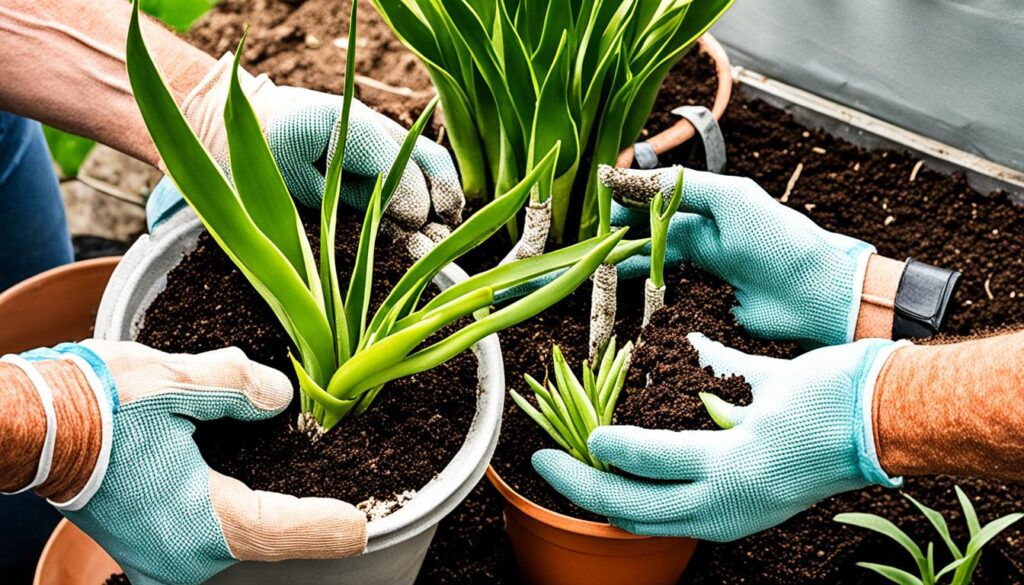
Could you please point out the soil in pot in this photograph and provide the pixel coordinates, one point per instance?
(377, 459)
(875, 195)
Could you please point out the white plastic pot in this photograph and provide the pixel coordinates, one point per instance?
(397, 543)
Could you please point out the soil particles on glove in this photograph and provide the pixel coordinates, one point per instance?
(409, 434)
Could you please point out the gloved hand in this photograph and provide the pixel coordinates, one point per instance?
(300, 125)
(150, 500)
(793, 279)
(806, 436)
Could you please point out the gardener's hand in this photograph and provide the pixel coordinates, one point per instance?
(301, 128)
(126, 471)
(793, 279)
(802, 439)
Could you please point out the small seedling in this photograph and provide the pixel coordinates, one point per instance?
(964, 562)
(570, 410)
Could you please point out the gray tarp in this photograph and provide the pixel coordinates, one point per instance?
(952, 70)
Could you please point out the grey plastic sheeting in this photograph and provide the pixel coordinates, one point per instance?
(952, 70)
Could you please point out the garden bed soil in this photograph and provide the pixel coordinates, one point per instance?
(411, 432)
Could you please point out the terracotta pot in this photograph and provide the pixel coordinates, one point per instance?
(683, 130)
(554, 549)
(72, 558)
(57, 305)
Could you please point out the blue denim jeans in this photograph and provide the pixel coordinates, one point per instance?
(33, 229)
(33, 238)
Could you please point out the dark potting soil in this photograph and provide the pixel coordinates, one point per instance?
(411, 432)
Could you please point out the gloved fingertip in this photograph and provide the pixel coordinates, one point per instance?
(552, 464)
(606, 441)
(269, 389)
(698, 340)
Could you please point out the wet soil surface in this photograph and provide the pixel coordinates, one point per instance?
(409, 434)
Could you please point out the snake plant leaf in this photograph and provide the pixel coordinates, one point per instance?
(206, 189)
(887, 528)
(939, 523)
(541, 420)
(360, 287)
(258, 181)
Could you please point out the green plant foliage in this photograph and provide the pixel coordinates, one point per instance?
(343, 361)
(68, 150)
(964, 562)
(519, 76)
(570, 410)
(178, 14)
(661, 216)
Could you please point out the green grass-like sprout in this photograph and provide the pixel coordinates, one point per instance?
(519, 76)
(345, 356)
(965, 561)
(661, 216)
(570, 410)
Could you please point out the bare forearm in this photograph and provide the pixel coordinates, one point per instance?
(955, 409)
(23, 429)
(62, 63)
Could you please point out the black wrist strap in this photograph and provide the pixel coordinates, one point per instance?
(922, 300)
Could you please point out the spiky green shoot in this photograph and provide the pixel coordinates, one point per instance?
(965, 561)
(571, 410)
(661, 217)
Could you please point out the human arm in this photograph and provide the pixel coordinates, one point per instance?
(834, 419)
(63, 64)
(793, 279)
(123, 441)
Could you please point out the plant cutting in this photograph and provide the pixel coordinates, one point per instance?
(517, 77)
(661, 215)
(570, 410)
(965, 561)
(345, 355)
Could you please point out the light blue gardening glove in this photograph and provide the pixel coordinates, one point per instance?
(301, 128)
(150, 500)
(806, 436)
(793, 279)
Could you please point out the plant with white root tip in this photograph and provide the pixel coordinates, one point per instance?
(661, 216)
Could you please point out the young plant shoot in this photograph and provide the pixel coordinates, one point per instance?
(570, 410)
(965, 560)
(661, 216)
(517, 77)
(345, 356)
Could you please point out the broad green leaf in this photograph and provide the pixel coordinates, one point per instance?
(360, 286)
(206, 189)
(179, 14)
(990, 531)
(258, 182)
(516, 312)
(969, 514)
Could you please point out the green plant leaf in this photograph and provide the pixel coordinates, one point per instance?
(179, 14)
(540, 419)
(360, 286)
(892, 573)
(939, 523)
(950, 567)
(69, 151)
(990, 531)
(969, 514)
(887, 528)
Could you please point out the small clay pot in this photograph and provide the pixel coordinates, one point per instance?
(554, 549)
(72, 558)
(57, 305)
(683, 130)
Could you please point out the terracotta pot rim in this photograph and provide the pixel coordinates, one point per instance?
(33, 281)
(682, 130)
(567, 523)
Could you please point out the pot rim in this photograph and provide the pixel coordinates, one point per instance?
(153, 255)
(683, 130)
(57, 271)
(552, 518)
